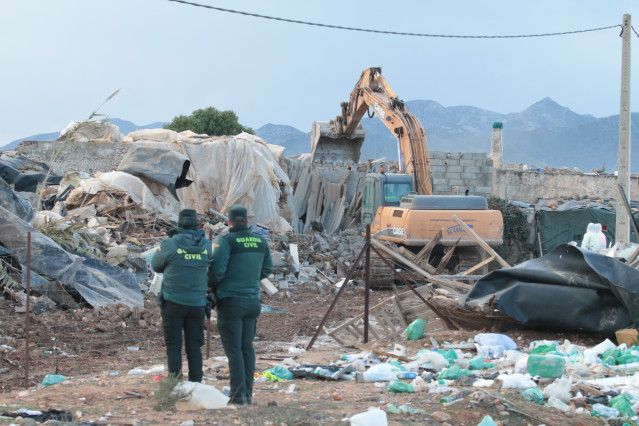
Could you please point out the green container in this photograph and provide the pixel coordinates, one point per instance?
(549, 366)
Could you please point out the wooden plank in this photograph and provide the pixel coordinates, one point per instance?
(476, 267)
(406, 253)
(481, 242)
(373, 331)
(424, 254)
(442, 263)
(398, 308)
(435, 280)
(385, 323)
(380, 352)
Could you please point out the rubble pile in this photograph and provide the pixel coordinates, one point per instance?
(91, 238)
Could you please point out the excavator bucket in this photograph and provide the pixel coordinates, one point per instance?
(328, 146)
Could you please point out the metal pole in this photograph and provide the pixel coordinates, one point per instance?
(367, 281)
(339, 292)
(622, 229)
(27, 314)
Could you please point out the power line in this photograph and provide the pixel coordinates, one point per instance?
(339, 27)
(634, 31)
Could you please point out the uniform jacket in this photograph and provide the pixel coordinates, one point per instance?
(184, 258)
(240, 260)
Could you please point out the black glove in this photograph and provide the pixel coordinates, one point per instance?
(210, 304)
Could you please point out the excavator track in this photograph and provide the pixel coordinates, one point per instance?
(380, 275)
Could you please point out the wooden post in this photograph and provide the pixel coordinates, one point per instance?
(622, 229)
(27, 314)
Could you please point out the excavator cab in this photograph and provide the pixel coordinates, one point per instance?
(384, 189)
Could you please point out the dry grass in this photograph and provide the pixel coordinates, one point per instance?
(165, 398)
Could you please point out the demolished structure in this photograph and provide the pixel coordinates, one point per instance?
(312, 216)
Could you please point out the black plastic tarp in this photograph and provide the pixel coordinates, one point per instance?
(25, 174)
(568, 289)
(98, 283)
(569, 222)
(169, 168)
(14, 202)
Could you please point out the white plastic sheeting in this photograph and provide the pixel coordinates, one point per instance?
(227, 170)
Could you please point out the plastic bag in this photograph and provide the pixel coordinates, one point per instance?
(381, 373)
(478, 363)
(453, 373)
(435, 359)
(400, 387)
(201, 396)
(493, 345)
(533, 394)
(52, 379)
(372, 417)
(517, 381)
(487, 421)
(621, 404)
(559, 389)
(543, 349)
(280, 372)
(415, 329)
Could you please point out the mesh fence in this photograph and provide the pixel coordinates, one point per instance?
(63, 334)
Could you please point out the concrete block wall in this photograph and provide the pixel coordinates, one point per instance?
(527, 186)
(89, 157)
(456, 172)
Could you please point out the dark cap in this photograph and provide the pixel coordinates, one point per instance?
(187, 219)
(238, 211)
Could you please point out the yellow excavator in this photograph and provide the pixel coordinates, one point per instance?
(401, 207)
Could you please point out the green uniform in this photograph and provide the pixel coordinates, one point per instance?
(183, 258)
(240, 260)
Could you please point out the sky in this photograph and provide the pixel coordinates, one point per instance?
(62, 59)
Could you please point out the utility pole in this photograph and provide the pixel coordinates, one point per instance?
(622, 225)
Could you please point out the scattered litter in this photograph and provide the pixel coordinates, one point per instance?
(415, 330)
(200, 396)
(52, 379)
(373, 417)
(154, 369)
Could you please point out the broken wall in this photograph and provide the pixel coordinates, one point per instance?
(456, 172)
(529, 186)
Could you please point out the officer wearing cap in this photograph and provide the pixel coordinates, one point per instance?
(183, 258)
(240, 260)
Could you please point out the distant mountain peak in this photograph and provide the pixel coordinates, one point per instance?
(546, 104)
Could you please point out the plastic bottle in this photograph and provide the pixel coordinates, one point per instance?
(604, 411)
(558, 403)
(407, 375)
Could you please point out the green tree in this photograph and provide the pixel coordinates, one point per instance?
(209, 121)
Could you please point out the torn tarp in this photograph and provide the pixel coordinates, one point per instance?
(164, 166)
(99, 283)
(568, 289)
(13, 202)
(25, 174)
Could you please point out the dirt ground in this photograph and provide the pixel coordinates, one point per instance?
(96, 349)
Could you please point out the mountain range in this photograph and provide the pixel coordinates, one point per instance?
(544, 134)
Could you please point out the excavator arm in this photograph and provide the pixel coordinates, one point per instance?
(372, 92)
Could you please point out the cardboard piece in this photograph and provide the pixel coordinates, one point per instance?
(627, 336)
